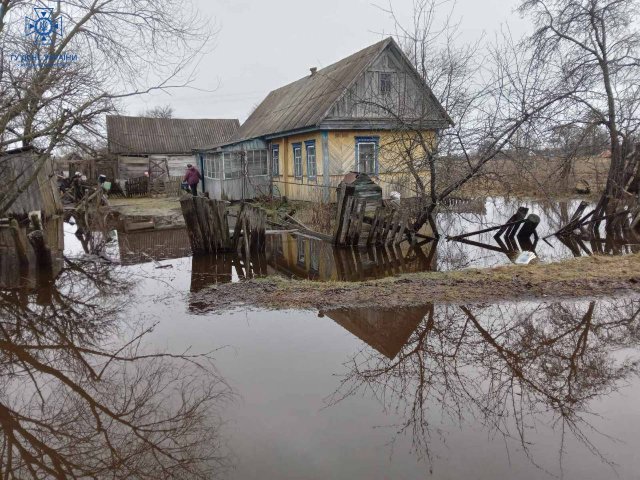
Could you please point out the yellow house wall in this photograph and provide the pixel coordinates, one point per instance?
(341, 146)
(299, 188)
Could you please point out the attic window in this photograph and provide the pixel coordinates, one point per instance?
(385, 83)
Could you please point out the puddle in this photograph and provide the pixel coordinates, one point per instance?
(524, 390)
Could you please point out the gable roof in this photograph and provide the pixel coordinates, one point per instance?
(307, 102)
(386, 330)
(144, 135)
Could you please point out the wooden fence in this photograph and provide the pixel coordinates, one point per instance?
(208, 226)
(137, 187)
(362, 221)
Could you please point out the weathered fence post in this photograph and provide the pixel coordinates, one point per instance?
(43, 252)
(187, 204)
(20, 242)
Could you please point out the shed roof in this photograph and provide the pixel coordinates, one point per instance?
(144, 135)
(307, 102)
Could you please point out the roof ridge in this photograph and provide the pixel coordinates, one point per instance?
(173, 118)
(342, 60)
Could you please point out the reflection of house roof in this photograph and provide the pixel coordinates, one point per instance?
(386, 330)
(142, 135)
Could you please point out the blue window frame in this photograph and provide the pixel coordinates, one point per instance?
(312, 165)
(275, 160)
(297, 160)
(367, 149)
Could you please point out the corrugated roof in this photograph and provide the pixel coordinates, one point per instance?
(143, 135)
(306, 102)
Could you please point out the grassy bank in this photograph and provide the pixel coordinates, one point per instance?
(582, 277)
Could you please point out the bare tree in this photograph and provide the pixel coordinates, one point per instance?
(505, 367)
(492, 93)
(83, 397)
(56, 89)
(161, 111)
(594, 46)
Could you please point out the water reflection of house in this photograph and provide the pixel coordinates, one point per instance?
(385, 330)
(312, 259)
(147, 246)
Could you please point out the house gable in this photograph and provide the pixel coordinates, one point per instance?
(388, 94)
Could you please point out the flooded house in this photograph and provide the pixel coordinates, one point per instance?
(144, 144)
(362, 114)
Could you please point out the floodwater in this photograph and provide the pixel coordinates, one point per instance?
(120, 371)
(298, 256)
(524, 390)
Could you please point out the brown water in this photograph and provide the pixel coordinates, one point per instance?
(523, 390)
(107, 369)
(298, 256)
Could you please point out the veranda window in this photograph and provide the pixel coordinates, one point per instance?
(232, 165)
(257, 162)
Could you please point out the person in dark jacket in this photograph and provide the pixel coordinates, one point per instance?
(192, 177)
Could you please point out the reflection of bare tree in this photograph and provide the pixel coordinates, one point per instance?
(505, 366)
(82, 397)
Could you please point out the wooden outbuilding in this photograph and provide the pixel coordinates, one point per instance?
(17, 167)
(162, 146)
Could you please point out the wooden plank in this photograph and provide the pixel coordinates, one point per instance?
(346, 220)
(203, 222)
(353, 222)
(135, 226)
(519, 215)
(223, 215)
(403, 226)
(363, 209)
(395, 227)
(237, 229)
(339, 215)
(374, 225)
(191, 221)
(388, 224)
(245, 238)
(214, 225)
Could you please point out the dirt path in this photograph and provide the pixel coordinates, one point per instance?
(583, 277)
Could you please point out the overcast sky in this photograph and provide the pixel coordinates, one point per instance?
(265, 44)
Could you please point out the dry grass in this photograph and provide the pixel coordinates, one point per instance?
(531, 177)
(582, 277)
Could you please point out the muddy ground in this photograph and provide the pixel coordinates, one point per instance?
(582, 277)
